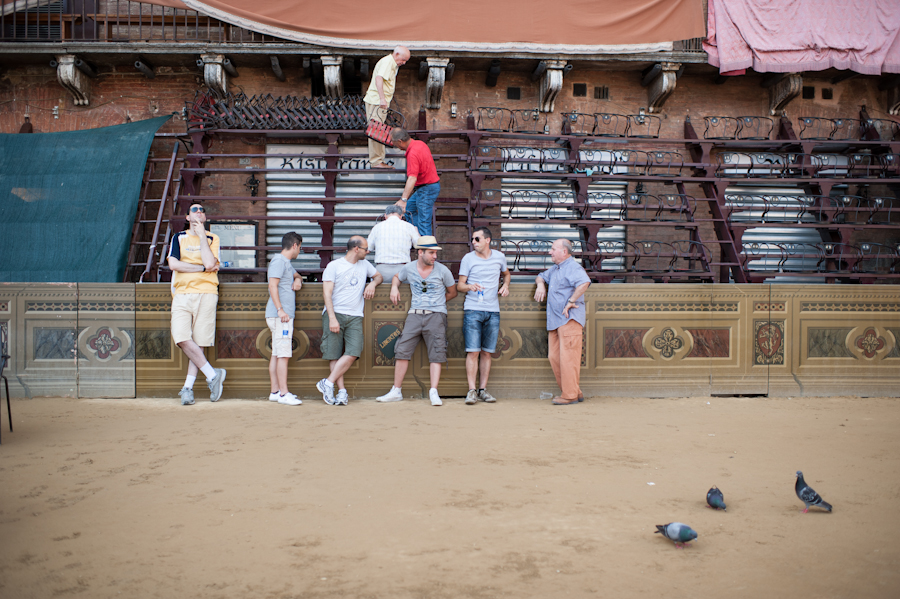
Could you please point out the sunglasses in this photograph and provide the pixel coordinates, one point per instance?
(476, 239)
(424, 286)
(197, 209)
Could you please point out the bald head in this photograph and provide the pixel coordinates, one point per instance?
(401, 54)
(560, 250)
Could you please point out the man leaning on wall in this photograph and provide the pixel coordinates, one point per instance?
(194, 260)
(567, 281)
(379, 96)
(284, 283)
(344, 290)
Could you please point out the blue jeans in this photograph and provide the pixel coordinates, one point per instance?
(480, 330)
(420, 206)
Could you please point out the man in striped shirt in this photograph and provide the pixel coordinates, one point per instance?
(391, 239)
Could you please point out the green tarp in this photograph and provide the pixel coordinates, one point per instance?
(68, 202)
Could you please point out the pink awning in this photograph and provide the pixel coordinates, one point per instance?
(790, 36)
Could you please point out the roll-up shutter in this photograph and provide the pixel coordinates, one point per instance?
(299, 179)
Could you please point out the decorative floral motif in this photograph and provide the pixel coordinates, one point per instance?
(104, 343)
(668, 343)
(870, 343)
(769, 342)
(503, 344)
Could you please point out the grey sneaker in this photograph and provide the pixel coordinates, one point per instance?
(215, 385)
(327, 391)
(341, 398)
(471, 397)
(187, 396)
(486, 397)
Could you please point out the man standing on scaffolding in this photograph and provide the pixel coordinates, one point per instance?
(379, 96)
(422, 182)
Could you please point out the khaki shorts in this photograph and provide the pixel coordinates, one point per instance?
(347, 342)
(194, 317)
(432, 328)
(281, 344)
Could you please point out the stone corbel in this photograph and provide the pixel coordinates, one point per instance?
(214, 72)
(334, 85)
(661, 84)
(434, 87)
(71, 78)
(551, 83)
(782, 92)
(893, 101)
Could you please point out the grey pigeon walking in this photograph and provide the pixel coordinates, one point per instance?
(680, 533)
(715, 499)
(808, 496)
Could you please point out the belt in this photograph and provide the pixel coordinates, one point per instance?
(414, 311)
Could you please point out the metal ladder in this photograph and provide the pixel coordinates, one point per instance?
(147, 245)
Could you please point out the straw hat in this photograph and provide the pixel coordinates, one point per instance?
(427, 242)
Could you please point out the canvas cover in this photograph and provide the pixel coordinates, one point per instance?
(68, 202)
(528, 26)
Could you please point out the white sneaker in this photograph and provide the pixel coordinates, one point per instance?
(273, 396)
(394, 394)
(435, 398)
(326, 388)
(289, 399)
(341, 398)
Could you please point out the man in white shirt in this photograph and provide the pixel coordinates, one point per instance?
(345, 291)
(391, 240)
(379, 95)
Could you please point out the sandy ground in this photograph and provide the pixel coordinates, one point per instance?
(145, 498)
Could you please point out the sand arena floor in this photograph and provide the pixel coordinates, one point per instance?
(145, 498)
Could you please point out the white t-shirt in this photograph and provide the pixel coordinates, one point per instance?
(349, 285)
(485, 272)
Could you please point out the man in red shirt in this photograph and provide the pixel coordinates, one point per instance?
(422, 182)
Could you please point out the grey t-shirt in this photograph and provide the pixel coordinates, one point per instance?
(280, 268)
(428, 293)
(485, 272)
(349, 285)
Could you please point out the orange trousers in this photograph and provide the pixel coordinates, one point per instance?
(564, 353)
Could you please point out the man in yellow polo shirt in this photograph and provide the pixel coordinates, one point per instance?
(194, 260)
(379, 96)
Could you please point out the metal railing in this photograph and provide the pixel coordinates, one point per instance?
(115, 21)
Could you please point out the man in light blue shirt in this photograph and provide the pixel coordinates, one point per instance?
(284, 282)
(432, 286)
(567, 283)
(479, 279)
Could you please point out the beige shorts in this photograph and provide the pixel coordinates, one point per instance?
(281, 344)
(194, 317)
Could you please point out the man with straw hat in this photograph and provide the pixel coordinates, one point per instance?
(432, 286)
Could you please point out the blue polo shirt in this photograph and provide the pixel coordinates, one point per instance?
(561, 280)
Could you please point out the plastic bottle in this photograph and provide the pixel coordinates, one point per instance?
(546, 395)
(226, 264)
(481, 295)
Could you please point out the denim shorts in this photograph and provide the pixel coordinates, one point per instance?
(481, 330)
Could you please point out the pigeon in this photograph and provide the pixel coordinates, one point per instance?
(808, 496)
(680, 533)
(715, 499)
